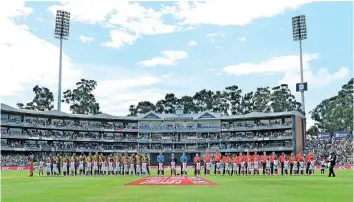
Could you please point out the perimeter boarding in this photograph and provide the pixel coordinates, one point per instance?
(139, 165)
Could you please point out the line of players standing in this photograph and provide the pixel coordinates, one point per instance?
(138, 164)
(246, 164)
(97, 164)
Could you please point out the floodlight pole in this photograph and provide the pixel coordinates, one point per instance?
(299, 34)
(61, 32)
(60, 74)
(302, 79)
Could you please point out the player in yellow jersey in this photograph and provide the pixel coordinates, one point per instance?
(137, 164)
(125, 165)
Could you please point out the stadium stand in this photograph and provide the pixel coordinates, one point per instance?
(42, 134)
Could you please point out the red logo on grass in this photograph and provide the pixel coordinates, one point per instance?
(157, 180)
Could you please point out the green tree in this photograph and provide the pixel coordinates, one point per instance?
(247, 103)
(132, 110)
(283, 100)
(262, 100)
(220, 102)
(313, 131)
(144, 107)
(336, 113)
(81, 99)
(234, 99)
(188, 104)
(203, 100)
(43, 100)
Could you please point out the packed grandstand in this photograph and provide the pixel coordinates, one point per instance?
(48, 134)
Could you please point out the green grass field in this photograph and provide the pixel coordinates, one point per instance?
(17, 186)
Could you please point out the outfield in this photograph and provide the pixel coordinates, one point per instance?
(16, 186)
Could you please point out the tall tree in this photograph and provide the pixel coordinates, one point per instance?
(144, 107)
(336, 113)
(160, 106)
(262, 100)
(313, 131)
(167, 105)
(43, 100)
(283, 100)
(203, 100)
(247, 103)
(81, 99)
(235, 99)
(133, 111)
(220, 102)
(188, 104)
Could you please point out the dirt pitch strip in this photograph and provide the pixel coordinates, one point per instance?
(175, 181)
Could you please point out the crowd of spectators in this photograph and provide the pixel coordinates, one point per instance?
(321, 148)
(318, 147)
(257, 124)
(32, 121)
(177, 126)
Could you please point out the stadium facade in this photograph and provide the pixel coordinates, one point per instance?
(58, 132)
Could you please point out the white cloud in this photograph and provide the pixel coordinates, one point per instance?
(39, 66)
(219, 47)
(231, 12)
(39, 58)
(166, 76)
(132, 19)
(192, 43)
(169, 58)
(316, 79)
(215, 34)
(242, 39)
(274, 65)
(289, 66)
(86, 39)
(189, 28)
(119, 38)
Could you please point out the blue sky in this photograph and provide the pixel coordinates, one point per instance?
(143, 50)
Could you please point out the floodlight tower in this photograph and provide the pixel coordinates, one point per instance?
(61, 32)
(299, 34)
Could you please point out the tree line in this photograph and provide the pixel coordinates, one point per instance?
(332, 114)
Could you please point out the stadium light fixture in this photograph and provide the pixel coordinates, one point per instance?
(61, 32)
(299, 34)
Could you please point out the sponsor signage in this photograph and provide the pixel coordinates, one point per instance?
(323, 135)
(342, 135)
(301, 87)
(178, 180)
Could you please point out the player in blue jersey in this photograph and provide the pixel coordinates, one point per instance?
(160, 161)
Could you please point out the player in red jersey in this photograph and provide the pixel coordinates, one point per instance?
(217, 158)
(271, 158)
(282, 159)
(240, 160)
(255, 159)
(31, 166)
(248, 161)
(196, 161)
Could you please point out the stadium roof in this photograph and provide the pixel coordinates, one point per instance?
(57, 113)
(151, 115)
